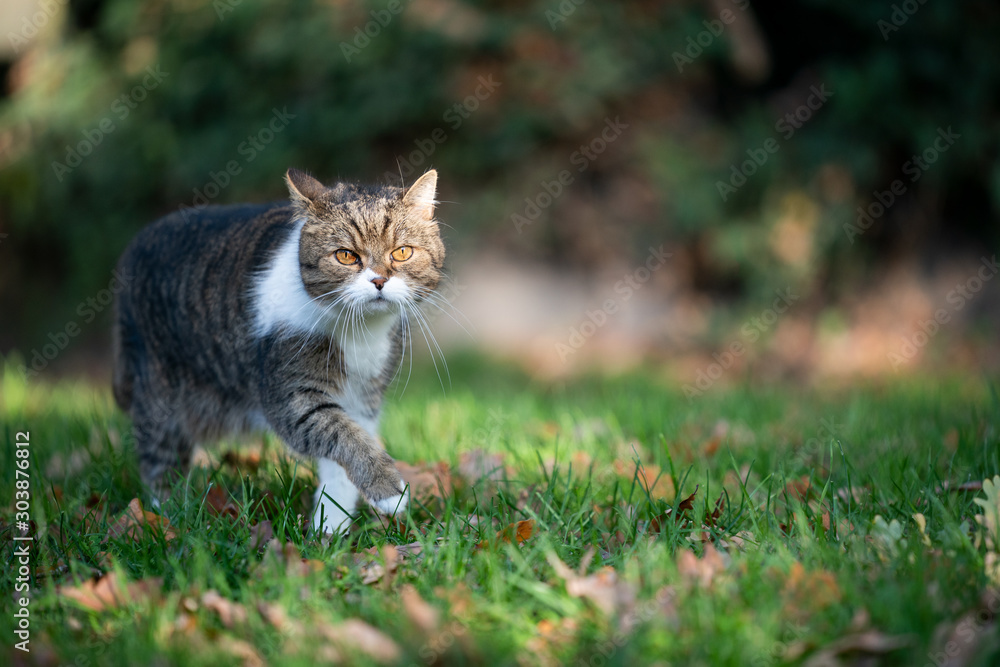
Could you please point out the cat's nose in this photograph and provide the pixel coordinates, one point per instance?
(379, 282)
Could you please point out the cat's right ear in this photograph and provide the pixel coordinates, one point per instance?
(303, 188)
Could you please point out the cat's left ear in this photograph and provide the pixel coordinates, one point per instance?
(420, 196)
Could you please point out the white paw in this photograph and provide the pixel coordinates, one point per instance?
(393, 504)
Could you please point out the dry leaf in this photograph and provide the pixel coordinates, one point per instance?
(229, 612)
(218, 503)
(603, 588)
(659, 486)
(134, 521)
(356, 634)
(478, 464)
(517, 533)
(809, 590)
(424, 616)
(658, 523)
(287, 554)
(241, 649)
(373, 569)
(700, 570)
(871, 642)
(108, 592)
(427, 480)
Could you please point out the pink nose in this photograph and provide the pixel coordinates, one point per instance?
(379, 282)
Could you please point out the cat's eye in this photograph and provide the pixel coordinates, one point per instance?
(402, 253)
(347, 257)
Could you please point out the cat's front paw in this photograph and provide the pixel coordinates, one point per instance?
(386, 490)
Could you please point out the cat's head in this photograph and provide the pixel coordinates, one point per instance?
(376, 248)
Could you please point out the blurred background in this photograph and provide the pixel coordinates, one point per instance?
(718, 189)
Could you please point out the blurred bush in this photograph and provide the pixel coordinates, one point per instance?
(212, 75)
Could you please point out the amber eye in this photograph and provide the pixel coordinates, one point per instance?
(347, 257)
(402, 253)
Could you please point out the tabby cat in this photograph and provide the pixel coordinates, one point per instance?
(289, 316)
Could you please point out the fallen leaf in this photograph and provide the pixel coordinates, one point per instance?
(134, 521)
(516, 533)
(701, 571)
(288, 556)
(356, 634)
(245, 651)
(603, 588)
(260, 534)
(658, 523)
(421, 614)
(218, 503)
(108, 592)
(249, 461)
(800, 489)
(871, 642)
(990, 518)
(427, 480)
(649, 477)
(478, 464)
(377, 564)
(804, 590)
(229, 612)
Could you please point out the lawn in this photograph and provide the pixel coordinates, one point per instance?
(598, 521)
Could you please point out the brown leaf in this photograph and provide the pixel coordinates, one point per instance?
(358, 635)
(478, 464)
(603, 588)
(871, 642)
(218, 503)
(658, 523)
(260, 534)
(288, 555)
(704, 570)
(134, 521)
(424, 616)
(659, 486)
(229, 612)
(108, 592)
(518, 533)
(809, 590)
(427, 480)
(249, 461)
(244, 650)
(374, 568)
(800, 489)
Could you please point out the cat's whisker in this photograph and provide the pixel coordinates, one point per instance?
(436, 299)
(424, 330)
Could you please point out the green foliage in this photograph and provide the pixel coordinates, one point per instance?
(360, 103)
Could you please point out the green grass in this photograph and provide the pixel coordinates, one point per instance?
(795, 572)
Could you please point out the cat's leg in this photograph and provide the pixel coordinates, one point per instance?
(161, 442)
(316, 426)
(336, 498)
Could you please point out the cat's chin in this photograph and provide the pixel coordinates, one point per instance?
(381, 305)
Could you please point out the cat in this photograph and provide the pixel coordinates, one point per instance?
(289, 316)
